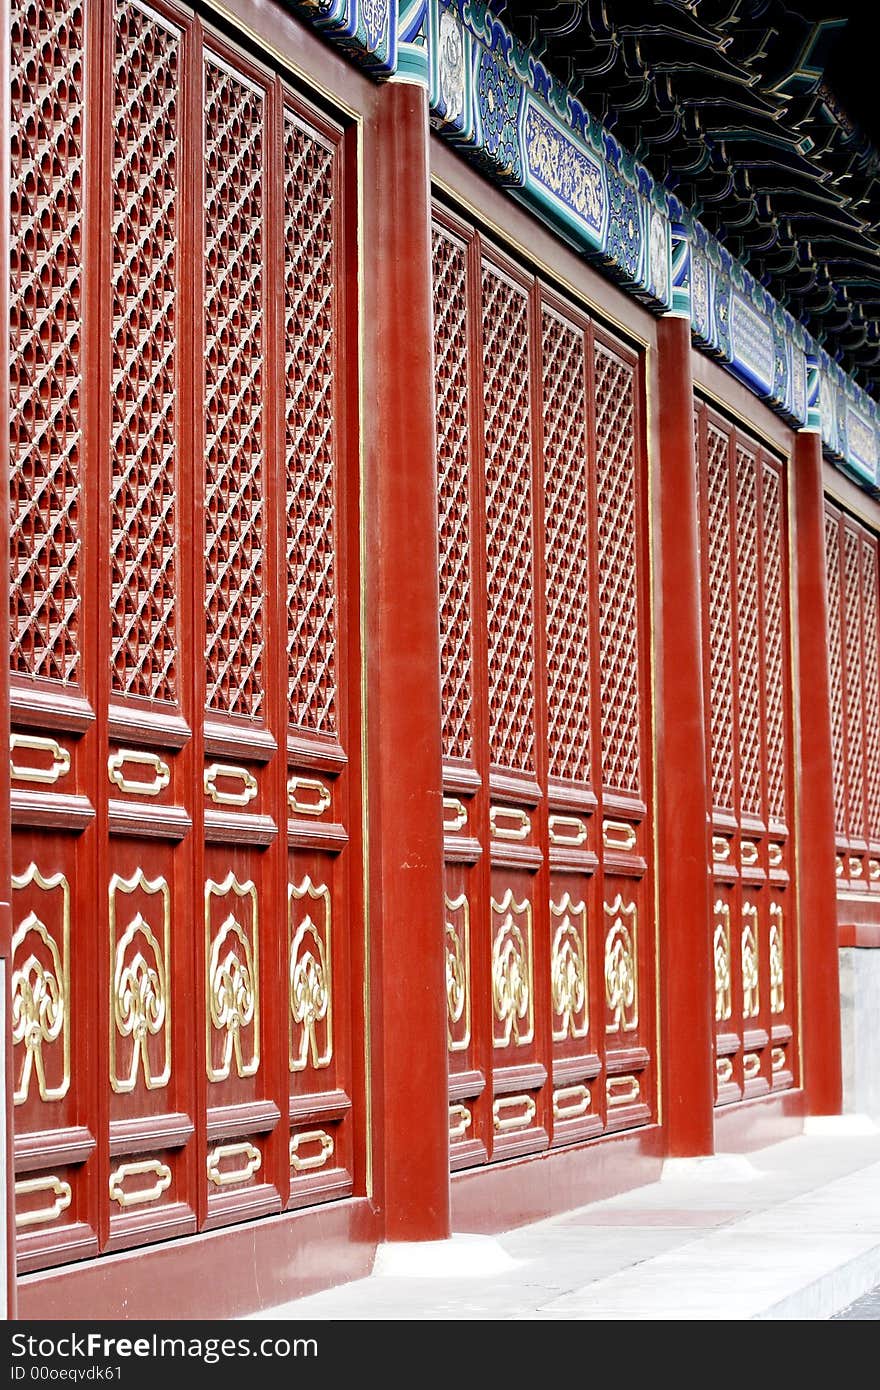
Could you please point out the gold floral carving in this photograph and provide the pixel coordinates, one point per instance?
(750, 975)
(723, 1003)
(568, 970)
(777, 960)
(512, 972)
(310, 980)
(621, 967)
(458, 984)
(140, 1005)
(233, 983)
(41, 993)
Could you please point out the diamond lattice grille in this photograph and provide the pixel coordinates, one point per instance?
(144, 345)
(720, 621)
(310, 355)
(509, 523)
(234, 331)
(835, 670)
(45, 313)
(618, 574)
(748, 633)
(453, 451)
(567, 532)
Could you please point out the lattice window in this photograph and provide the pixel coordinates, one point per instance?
(310, 355)
(146, 164)
(234, 331)
(720, 622)
(567, 549)
(855, 749)
(872, 684)
(453, 453)
(774, 676)
(748, 634)
(618, 574)
(835, 670)
(509, 523)
(45, 311)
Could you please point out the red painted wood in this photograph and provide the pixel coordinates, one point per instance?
(688, 976)
(263, 1263)
(865, 935)
(820, 986)
(503, 1195)
(754, 1124)
(403, 681)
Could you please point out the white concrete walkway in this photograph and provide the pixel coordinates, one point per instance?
(789, 1231)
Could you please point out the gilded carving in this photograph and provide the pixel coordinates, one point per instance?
(777, 961)
(723, 1002)
(222, 1177)
(621, 967)
(60, 1192)
(140, 1005)
(233, 983)
(512, 972)
(310, 980)
(750, 974)
(41, 993)
(139, 1196)
(568, 970)
(458, 979)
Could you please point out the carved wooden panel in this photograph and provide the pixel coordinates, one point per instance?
(185, 461)
(618, 578)
(453, 479)
(144, 333)
(539, 442)
(851, 552)
(45, 336)
(745, 600)
(235, 254)
(509, 577)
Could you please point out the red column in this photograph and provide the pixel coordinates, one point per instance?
(820, 985)
(6, 1158)
(411, 1138)
(686, 966)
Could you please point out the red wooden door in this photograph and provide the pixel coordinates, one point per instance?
(750, 746)
(550, 962)
(184, 639)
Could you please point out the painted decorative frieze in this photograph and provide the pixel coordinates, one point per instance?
(366, 29)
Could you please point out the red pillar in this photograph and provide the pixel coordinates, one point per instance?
(408, 988)
(820, 985)
(686, 965)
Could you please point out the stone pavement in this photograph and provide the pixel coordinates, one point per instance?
(791, 1231)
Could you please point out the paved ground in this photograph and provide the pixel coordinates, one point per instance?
(788, 1232)
(865, 1309)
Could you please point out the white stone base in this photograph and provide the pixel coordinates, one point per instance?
(843, 1125)
(711, 1167)
(461, 1257)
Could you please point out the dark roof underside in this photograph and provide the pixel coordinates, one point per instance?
(762, 115)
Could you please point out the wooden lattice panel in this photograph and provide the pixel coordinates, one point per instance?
(720, 621)
(835, 670)
(567, 549)
(45, 336)
(146, 105)
(310, 431)
(774, 679)
(510, 585)
(618, 575)
(453, 451)
(234, 372)
(750, 739)
(872, 684)
(855, 746)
